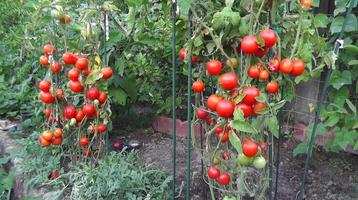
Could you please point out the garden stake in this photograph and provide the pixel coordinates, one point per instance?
(174, 10)
(337, 46)
(277, 162)
(105, 61)
(190, 32)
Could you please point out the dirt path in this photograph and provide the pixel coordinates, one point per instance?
(331, 176)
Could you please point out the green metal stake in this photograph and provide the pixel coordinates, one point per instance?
(189, 110)
(338, 44)
(174, 9)
(105, 60)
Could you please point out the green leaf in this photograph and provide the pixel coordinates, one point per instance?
(261, 98)
(321, 20)
(351, 48)
(301, 148)
(351, 106)
(242, 126)
(184, 7)
(4, 160)
(198, 41)
(239, 115)
(272, 124)
(129, 85)
(315, 3)
(353, 62)
(337, 23)
(235, 141)
(119, 95)
(120, 65)
(229, 3)
(356, 146)
(93, 77)
(332, 120)
(278, 105)
(338, 79)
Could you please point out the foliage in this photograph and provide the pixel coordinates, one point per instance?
(339, 114)
(6, 180)
(118, 176)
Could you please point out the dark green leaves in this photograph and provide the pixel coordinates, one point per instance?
(301, 149)
(243, 126)
(337, 23)
(321, 21)
(235, 141)
(339, 79)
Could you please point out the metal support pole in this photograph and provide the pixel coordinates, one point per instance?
(189, 110)
(105, 60)
(337, 46)
(174, 9)
(277, 162)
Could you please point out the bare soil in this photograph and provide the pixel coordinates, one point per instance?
(332, 176)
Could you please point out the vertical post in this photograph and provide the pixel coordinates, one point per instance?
(337, 46)
(174, 10)
(277, 162)
(189, 110)
(105, 60)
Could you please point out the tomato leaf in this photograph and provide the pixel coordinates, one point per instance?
(332, 120)
(321, 21)
(119, 95)
(356, 146)
(278, 105)
(300, 149)
(93, 77)
(337, 23)
(272, 124)
(261, 98)
(239, 115)
(353, 62)
(235, 141)
(351, 48)
(243, 126)
(338, 79)
(351, 106)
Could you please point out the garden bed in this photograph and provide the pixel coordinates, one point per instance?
(331, 175)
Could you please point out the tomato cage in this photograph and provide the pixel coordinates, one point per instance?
(245, 177)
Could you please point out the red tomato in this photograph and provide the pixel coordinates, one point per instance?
(86, 72)
(213, 101)
(76, 86)
(249, 45)
(298, 67)
(79, 116)
(92, 94)
(225, 108)
(101, 128)
(65, 20)
(224, 179)
(45, 86)
(226, 155)
(272, 87)
(56, 67)
(53, 175)
(102, 97)
(218, 131)
(224, 136)
(213, 172)
(263, 146)
(69, 112)
(86, 152)
(253, 72)
(44, 142)
(89, 110)
(107, 72)
(306, 4)
(49, 49)
(47, 135)
(46, 97)
(47, 112)
(249, 148)
(286, 66)
(264, 75)
(274, 65)
(261, 52)
(57, 133)
(201, 113)
(59, 93)
(68, 58)
(269, 37)
(228, 81)
(198, 86)
(56, 141)
(258, 106)
(250, 94)
(82, 63)
(214, 67)
(182, 53)
(84, 141)
(246, 109)
(44, 60)
(73, 74)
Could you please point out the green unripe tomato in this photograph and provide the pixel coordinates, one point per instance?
(73, 122)
(229, 198)
(244, 160)
(67, 126)
(259, 162)
(96, 102)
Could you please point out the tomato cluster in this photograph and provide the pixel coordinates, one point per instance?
(77, 106)
(240, 97)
